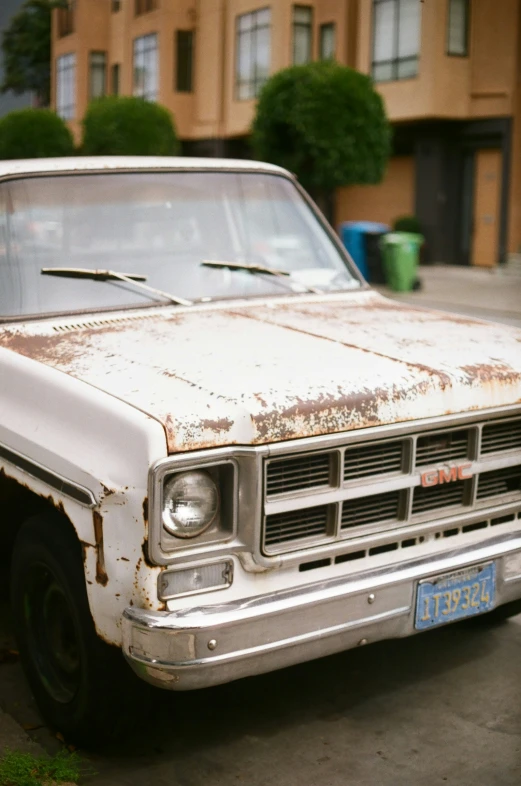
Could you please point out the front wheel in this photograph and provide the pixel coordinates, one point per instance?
(83, 686)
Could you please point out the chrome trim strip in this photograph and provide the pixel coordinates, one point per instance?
(63, 485)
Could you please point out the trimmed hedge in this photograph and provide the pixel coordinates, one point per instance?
(324, 122)
(126, 126)
(34, 133)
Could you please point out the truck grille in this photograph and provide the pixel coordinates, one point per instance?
(296, 525)
(376, 485)
(366, 460)
(437, 448)
(368, 510)
(498, 437)
(294, 474)
(439, 497)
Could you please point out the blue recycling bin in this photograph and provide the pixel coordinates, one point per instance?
(353, 235)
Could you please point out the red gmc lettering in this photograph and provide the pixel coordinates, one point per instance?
(430, 478)
(464, 471)
(448, 475)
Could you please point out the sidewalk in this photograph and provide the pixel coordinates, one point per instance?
(493, 294)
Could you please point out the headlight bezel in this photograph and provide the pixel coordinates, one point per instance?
(223, 467)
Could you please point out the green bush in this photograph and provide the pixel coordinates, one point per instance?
(324, 122)
(126, 126)
(407, 224)
(34, 133)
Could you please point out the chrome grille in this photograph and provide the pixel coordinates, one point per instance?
(499, 482)
(296, 525)
(444, 446)
(381, 458)
(505, 435)
(407, 482)
(370, 510)
(435, 497)
(294, 474)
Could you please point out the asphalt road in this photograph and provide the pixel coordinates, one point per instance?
(443, 707)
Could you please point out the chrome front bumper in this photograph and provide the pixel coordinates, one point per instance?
(210, 645)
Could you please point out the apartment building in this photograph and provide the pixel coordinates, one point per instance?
(449, 72)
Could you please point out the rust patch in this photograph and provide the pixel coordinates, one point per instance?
(224, 424)
(101, 573)
(145, 510)
(124, 559)
(487, 373)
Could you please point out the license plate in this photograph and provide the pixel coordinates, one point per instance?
(455, 596)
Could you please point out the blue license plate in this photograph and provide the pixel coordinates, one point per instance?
(455, 596)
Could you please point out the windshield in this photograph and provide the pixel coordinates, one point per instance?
(162, 226)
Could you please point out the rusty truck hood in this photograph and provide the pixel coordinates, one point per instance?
(259, 372)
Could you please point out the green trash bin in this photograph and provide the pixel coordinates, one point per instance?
(401, 256)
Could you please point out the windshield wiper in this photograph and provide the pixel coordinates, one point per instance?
(254, 268)
(113, 275)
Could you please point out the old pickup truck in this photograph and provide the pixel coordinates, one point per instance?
(221, 452)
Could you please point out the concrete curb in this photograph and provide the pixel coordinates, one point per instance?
(12, 736)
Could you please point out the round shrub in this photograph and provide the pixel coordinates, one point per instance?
(34, 133)
(126, 126)
(324, 122)
(407, 224)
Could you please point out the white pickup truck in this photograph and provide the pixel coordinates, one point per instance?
(221, 452)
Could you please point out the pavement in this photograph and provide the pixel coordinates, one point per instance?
(490, 294)
(443, 707)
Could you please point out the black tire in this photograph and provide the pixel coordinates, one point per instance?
(83, 687)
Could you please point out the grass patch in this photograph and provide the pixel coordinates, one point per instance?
(24, 769)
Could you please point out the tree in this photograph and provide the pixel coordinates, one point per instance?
(325, 123)
(26, 46)
(34, 133)
(126, 126)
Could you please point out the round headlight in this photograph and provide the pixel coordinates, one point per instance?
(190, 504)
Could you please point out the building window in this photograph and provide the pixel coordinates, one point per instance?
(184, 61)
(146, 67)
(115, 6)
(302, 34)
(327, 41)
(396, 39)
(97, 74)
(144, 6)
(66, 86)
(114, 79)
(66, 19)
(253, 52)
(458, 28)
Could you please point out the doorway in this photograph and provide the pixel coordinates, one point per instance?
(486, 208)
(480, 205)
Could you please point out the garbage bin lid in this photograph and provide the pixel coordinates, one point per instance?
(398, 238)
(366, 226)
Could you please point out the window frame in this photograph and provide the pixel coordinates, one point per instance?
(256, 83)
(184, 85)
(115, 6)
(115, 71)
(466, 31)
(102, 67)
(321, 30)
(395, 61)
(142, 7)
(147, 95)
(65, 66)
(66, 19)
(306, 26)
